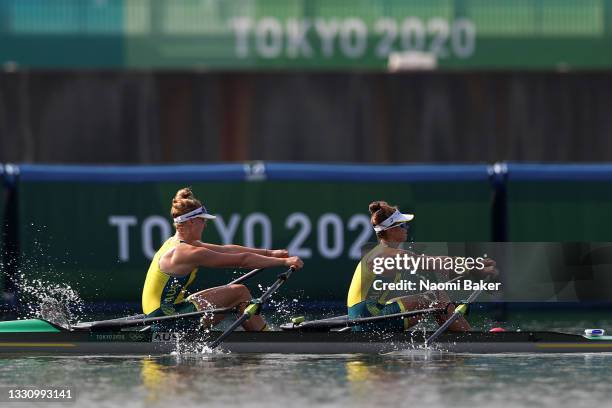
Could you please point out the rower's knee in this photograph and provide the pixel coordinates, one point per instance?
(242, 292)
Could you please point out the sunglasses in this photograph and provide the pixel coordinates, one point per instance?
(404, 226)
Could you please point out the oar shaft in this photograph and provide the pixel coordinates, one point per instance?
(243, 318)
(459, 312)
(254, 308)
(354, 322)
(143, 320)
(443, 328)
(246, 276)
(117, 324)
(334, 324)
(282, 278)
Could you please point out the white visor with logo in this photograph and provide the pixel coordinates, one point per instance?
(197, 213)
(396, 218)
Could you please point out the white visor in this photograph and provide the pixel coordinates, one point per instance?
(197, 213)
(395, 218)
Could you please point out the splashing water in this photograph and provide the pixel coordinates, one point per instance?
(191, 347)
(36, 282)
(58, 302)
(284, 309)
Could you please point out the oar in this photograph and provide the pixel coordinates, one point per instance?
(460, 310)
(246, 276)
(327, 324)
(254, 308)
(128, 322)
(143, 320)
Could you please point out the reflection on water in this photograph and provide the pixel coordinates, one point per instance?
(423, 379)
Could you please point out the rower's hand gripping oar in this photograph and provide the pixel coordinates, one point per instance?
(254, 308)
(460, 311)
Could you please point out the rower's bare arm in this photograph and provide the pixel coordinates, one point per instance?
(201, 256)
(237, 249)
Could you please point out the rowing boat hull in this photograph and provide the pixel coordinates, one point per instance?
(146, 343)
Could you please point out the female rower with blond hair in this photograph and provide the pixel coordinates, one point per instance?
(176, 263)
(391, 227)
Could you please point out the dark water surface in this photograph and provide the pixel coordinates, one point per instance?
(412, 378)
(409, 379)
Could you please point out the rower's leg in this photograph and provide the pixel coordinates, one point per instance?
(227, 296)
(458, 325)
(417, 302)
(413, 303)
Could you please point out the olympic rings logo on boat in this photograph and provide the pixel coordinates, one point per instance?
(161, 336)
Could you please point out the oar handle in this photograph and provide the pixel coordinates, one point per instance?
(246, 276)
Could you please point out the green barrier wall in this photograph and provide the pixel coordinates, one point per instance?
(3, 198)
(306, 34)
(568, 203)
(98, 227)
(571, 206)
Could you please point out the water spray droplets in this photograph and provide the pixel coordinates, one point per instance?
(38, 296)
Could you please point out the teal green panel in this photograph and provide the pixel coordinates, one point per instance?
(559, 211)
(70, 231)
(3, 220)
(305, 34)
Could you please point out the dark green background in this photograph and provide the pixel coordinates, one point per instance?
(3, 197)
(560, 211)
(65, 236)
(65, 232)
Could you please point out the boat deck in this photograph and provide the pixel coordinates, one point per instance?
(148, 343)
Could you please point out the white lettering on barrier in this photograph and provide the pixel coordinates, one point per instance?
(387, 29)
(242, 26)
(295, 245)
(297, 42)
(356, 221)
(333, 221)
(155, 221)
(440, 29)
(327, 30)
(307, 39)
(354, 38)
(330, 235)
(463, 38)
(123, 223)
(227, 231)
(249, 230)
(269, 37)
(412, 34)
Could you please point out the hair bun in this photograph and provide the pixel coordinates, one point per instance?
(376, 205)
(182, 194)
(183, 202)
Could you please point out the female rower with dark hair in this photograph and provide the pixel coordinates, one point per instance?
(176, 263)
(391, 228)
